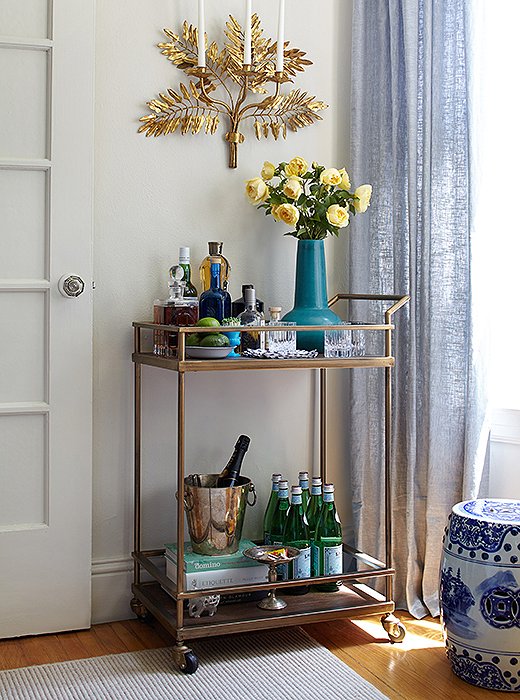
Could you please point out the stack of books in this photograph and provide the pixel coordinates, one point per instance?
(202, 571)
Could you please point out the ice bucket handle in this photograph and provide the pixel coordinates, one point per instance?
(253, 491)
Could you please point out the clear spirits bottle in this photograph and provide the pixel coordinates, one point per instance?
(271, 507)
(215, 302)
(173, 311)
(184, 261)
(303, 480)
(278, 522)
(215, 251)
(315, 504)
(296, 534)
(327, 546)
(251, 340)
(239, 305)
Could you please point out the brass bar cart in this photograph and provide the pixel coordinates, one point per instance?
(165, 599)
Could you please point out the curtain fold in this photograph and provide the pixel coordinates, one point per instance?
(411, 140)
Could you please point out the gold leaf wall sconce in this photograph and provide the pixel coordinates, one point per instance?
(224, 83)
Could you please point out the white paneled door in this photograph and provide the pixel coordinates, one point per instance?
(46, 153)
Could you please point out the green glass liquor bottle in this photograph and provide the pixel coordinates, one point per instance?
(271, 507)
(315, 504)
(278, 523)
(303, 479)
(296, 534)
(327, 546)
(184, 262)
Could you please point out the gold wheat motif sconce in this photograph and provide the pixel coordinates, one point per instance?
(221, 90)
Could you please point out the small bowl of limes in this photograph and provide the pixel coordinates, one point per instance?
(208, 346)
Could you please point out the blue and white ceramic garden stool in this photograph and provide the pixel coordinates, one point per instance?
(480, 592)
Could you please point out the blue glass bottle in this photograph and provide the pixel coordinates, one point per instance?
(215, 302)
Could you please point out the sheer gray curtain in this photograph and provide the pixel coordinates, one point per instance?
(411, 140)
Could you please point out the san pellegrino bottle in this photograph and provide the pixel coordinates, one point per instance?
(315, 504)
(215, 250)
(251, 340)
(303, 479)
(327, 547)
(229, 475)
(215, 302)
(271, 507)
(278, 522)
(184, 262)
(296, 534)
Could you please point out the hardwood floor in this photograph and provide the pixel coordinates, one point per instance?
(415, 669)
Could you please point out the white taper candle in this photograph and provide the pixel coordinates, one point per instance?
(280, 38)
(201, 30)
(247, 33)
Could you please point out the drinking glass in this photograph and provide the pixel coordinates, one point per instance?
(282, 341)
(358, 339)
(338, 343)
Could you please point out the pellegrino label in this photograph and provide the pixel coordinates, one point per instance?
(333, 560)
(302, 565)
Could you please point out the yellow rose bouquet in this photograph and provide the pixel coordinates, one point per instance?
(316, 201)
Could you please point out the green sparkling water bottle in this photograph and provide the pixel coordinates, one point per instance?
(296, 534)
(278, 522)
(327, 546)
(315, 504)
(271, 507)
(303, 479)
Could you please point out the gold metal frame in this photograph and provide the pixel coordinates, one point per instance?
(165, 599)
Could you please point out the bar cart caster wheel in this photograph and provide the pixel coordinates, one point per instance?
(139, 610)
(394, 628)
(185, 659)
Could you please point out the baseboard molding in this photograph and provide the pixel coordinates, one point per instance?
(111, 589)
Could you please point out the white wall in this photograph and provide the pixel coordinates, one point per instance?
(153, 195)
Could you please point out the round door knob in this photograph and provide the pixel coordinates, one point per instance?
(71, 285)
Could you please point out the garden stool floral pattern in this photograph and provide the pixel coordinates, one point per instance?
(480, 592)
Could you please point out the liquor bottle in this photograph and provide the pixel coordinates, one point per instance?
(215, 251)
(278, 523)
(173, 311)
(271, 507)
(251, 340)
(275, 313)
(229, 475)
(327, 547)
(184, 261)
(215, 301)
(239, 305)
(315, 504)
(296, 534)
(303, 480)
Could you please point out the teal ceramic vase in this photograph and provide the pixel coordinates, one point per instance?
(310, 295)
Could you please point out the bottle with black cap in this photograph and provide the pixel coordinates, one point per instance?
(229, 475)
(239, 305)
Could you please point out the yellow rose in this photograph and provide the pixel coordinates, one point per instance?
(256, 190)
(288, 214)
(296, 166)
(338, 215)
(274, 212)
(330, 176)
(363, 194)
(345, 180)
(292, 187)
(267, 171)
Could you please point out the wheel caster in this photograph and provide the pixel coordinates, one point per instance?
(185, 659)
(139, 610)
(394, 628)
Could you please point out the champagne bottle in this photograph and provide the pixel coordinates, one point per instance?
(229, 475)
(303, 479)
(271, 507)
(315, 504)
(296, 534)
(278, 523)
(327, 547)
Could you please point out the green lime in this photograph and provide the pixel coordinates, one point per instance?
(208, 321)
(215, 340)
(193, 339)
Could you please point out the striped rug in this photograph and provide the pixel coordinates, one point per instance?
(284, 663)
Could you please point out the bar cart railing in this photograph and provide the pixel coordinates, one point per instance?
(165, 599)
